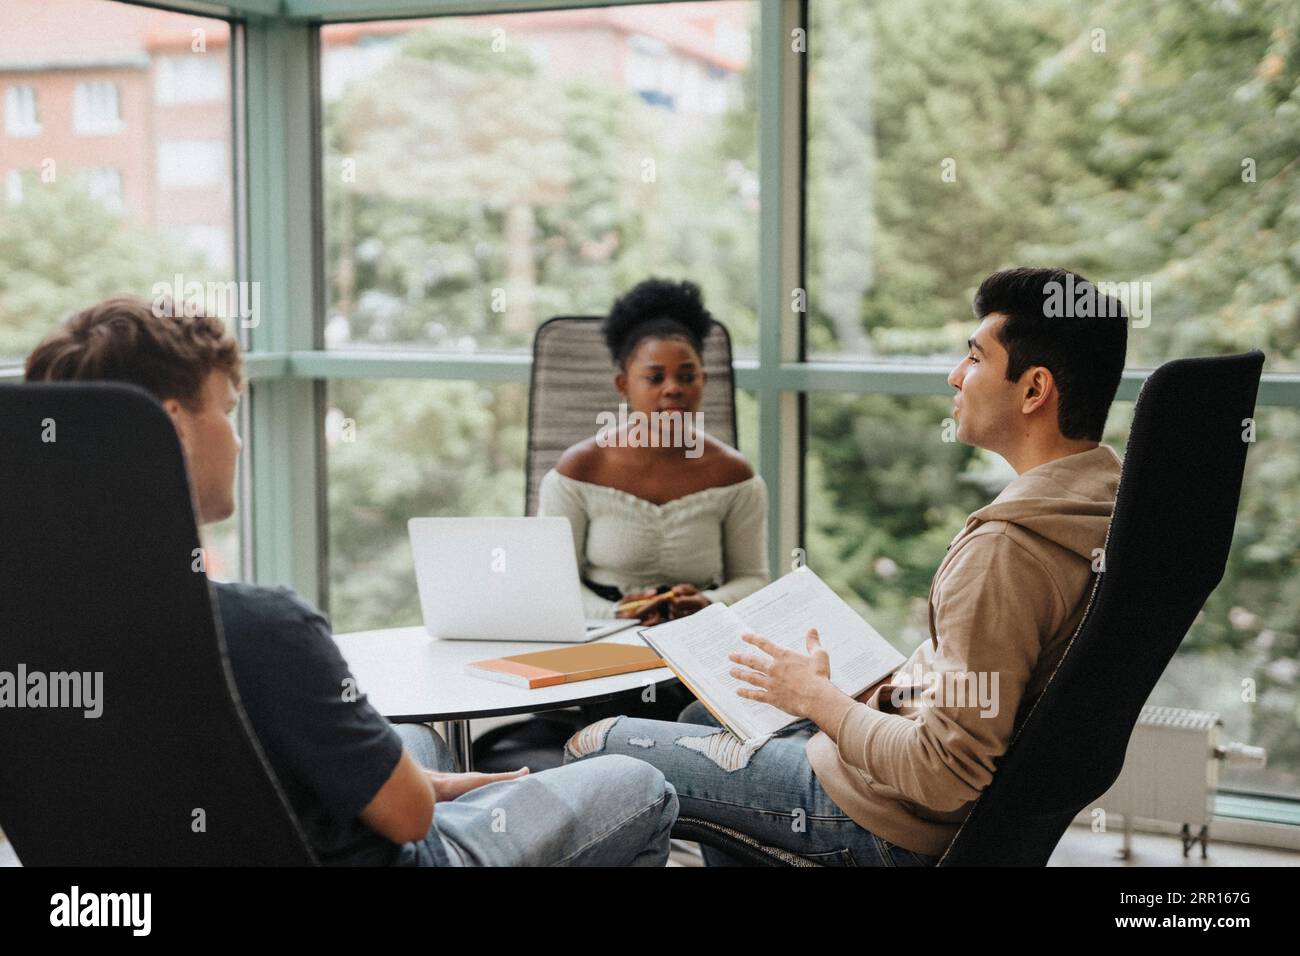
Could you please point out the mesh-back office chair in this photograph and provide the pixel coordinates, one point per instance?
(97, 549)
(572, 382)
(1165, 552)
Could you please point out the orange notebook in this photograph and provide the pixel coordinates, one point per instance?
(566, 665)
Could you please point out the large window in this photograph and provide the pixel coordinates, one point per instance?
(399, 449)
(1149, 144)
(1141, 144)
(483, 174)
(85, 219)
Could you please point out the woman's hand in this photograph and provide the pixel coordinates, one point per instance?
(449, 786)
(687, 599)
(651, 613)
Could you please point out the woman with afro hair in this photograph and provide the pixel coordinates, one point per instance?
(653, 521)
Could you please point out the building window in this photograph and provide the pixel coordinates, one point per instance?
(193, 78)
(186, 163)
(20, 111)
(649, 70)
(14, 187)
(104, 185)
(96, 108)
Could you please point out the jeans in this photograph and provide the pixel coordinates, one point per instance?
(766, 790)
(615, 811)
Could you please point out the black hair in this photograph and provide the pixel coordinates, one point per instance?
(1063, 322)
(656, 308)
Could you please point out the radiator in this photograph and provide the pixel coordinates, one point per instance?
(1171, 773)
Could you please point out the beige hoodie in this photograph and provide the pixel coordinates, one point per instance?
(1003, 605)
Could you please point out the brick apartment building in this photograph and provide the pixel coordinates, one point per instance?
(135, 103)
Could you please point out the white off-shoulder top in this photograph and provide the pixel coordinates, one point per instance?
(715, 539)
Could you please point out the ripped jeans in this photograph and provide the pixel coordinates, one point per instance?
(768, 792)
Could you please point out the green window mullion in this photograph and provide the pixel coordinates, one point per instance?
(283, 185)
(780, 418)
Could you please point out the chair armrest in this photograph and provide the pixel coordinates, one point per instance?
(734, 843)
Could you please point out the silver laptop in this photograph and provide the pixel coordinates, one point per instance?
(502, 579)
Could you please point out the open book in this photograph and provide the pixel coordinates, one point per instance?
(696, 647)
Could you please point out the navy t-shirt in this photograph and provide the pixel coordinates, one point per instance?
(330, 749)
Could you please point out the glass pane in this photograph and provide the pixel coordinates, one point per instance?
(399, 449)
(483, 174)
(747, 434)
(885, 494)
(1149, 144)
(1241, 658)
(116, 159)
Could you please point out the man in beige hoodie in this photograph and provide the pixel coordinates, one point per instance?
(886, 779)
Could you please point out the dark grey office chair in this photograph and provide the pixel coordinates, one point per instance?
(1165, 552)
(572, 382)
(97, 549)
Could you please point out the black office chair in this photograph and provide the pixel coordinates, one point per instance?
(97, 550)
(572, 382)
(1165, 552)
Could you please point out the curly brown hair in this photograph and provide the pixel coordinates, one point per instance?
(126, 339)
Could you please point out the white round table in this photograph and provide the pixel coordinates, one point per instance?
(410, 677)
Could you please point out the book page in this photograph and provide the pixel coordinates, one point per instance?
(783, 612)
(697, 646)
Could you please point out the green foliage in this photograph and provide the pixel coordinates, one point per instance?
(518, 197)
(1126, 163)
(416, 448)
(62, 251)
